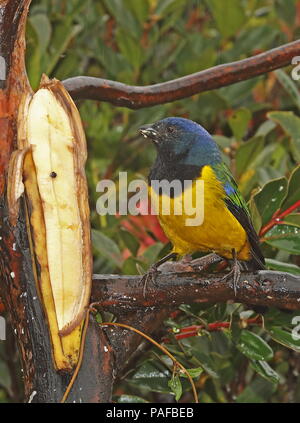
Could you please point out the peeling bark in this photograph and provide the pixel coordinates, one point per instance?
(17, 284)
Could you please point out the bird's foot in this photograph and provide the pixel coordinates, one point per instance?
(234, 273)
(149, 279)
(150, 276)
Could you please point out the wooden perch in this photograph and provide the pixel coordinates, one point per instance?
(136, 97)
(122, 294)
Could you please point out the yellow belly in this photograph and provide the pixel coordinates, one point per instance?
(220, 231)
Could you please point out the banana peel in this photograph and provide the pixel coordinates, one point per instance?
(49, 165)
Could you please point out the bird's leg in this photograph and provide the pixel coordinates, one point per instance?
(235, 272)
(202, 263)
(153, 271)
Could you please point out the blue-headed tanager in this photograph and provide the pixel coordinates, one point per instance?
(187, 152)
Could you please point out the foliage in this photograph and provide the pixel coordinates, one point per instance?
(257, 126)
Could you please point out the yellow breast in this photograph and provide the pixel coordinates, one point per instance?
(212, 228)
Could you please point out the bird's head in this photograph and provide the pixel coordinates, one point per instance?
(180, 140)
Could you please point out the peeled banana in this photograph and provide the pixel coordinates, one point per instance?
(49, 163)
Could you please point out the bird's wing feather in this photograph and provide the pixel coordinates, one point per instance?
(238, 207)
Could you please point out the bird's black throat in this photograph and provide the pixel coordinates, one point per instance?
(170, 172)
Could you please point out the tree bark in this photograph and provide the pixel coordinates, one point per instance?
(18, 287)
(123, 294)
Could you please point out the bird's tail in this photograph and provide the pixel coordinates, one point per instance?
(253, 265)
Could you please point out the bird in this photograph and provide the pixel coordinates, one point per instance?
(186, 152)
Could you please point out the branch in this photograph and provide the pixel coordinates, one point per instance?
(136, 97)
(122, 294)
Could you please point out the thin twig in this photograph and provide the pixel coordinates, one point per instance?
(163, 349)
(76, 371)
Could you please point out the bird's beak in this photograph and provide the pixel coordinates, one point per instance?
(149, 132)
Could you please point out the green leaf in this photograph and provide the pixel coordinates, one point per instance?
(256, 217)
(106, 247)
(289, 86)
(293, 219)
(279, 318)
(164, 7)
(284, 237)
(139, 8)
(173, 56)
(265, 370)
(63, 35)
(283, 267)
(126, 399)
(286, 9)
(130, 241)
(222, 141)
(291, 124)
(268, 200)
(65, 68)
(259, 390)
(228, 14)
(254, 347)
(152, 252)
(130, 49)
(247, 152)
(220, 344)
(5, 379)
(265, 128)
(42, 26)
(195, 45)
(150, 378)
(176, 387)
(293, 194)
(33, 56)
(194, 373)
(124, 17)
(131, 265)
(199, 347)
(99, 318)
(285, 338)
(238, 122)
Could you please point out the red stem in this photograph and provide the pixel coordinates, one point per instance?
(290, 209)
(276, 218)
(193, 330)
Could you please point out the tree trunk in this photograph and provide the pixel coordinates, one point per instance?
(18, 287)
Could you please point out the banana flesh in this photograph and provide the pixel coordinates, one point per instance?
(52, 150)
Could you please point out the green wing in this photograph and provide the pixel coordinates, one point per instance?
(238, 207)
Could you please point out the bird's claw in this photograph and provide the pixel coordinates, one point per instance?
(234, 273)
(149, 278)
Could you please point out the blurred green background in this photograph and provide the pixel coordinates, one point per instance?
(257, 125)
